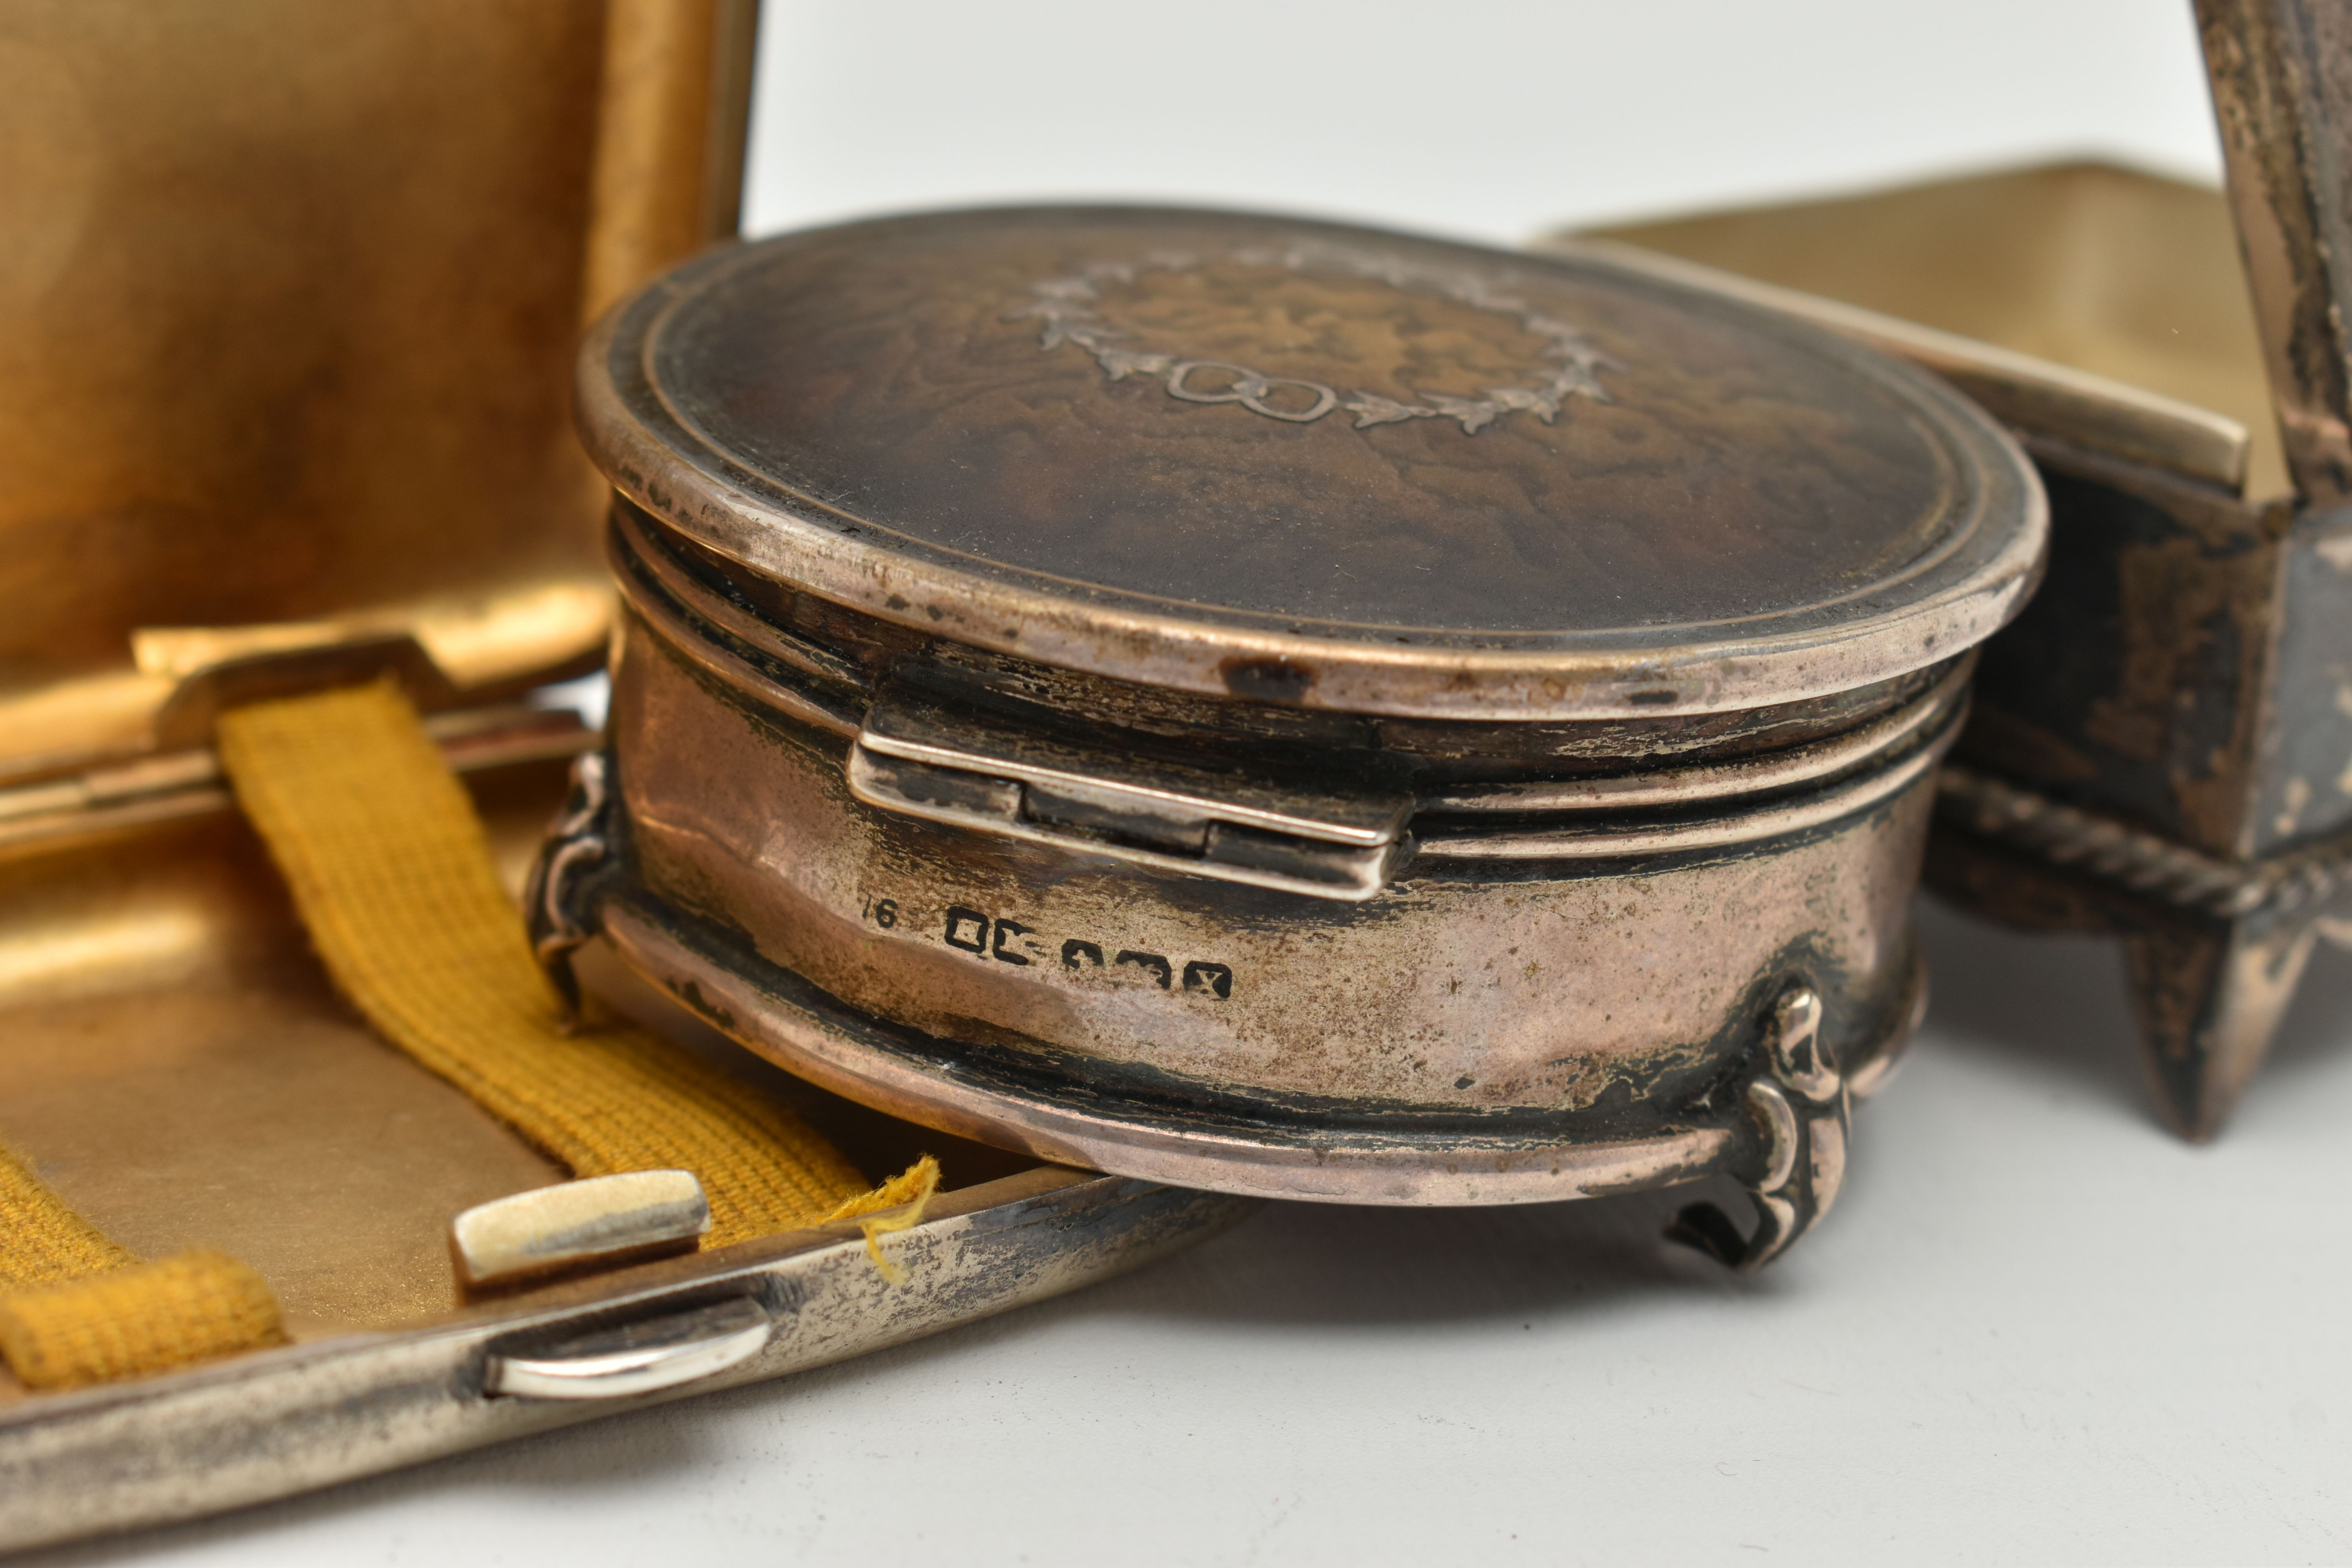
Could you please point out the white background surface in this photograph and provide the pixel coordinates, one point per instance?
(2037, 1328)
(1485, 118)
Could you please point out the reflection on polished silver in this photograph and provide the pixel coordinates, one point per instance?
(1798, 1058)
(1288, 806)
(1070, 306)
(1796, 1162)
(915, 756)
(641, 1357)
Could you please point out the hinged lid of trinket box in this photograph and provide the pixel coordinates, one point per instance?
(1313, 466)
(1284, 708)
(290, 302)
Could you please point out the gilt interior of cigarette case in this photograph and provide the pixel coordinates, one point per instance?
(1155, 709)
(286, 408)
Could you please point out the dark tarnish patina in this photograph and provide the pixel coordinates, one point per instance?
(1285, 708)
(918, 394)
(2161, 744)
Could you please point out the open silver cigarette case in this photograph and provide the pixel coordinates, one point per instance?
(294, 296)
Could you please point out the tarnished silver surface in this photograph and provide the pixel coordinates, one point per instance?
(2162, 746)
(784, 1017)
(2113, 851)
(280, 1422)
(747, 811)
(1800, 1110)
(1069, 310)
(1763, 775)
(1711, 391)
(1039, 713)
(2282, 77)
(1505, 970)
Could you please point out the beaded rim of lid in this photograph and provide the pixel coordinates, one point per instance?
(1984, 564)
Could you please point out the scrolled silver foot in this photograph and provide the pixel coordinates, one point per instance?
(1798, 1113)
(558, 904)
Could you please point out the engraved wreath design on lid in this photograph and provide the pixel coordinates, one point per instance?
(1069, 307)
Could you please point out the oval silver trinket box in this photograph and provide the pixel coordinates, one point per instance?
(1283, 708)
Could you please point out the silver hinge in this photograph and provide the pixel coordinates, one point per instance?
(918, 756)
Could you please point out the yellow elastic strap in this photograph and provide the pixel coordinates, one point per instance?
(392, 876)
(46, 1242)
(129, 1322)
(392, 873)
(79, 1308)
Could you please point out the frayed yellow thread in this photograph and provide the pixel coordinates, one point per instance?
(908, 1193)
